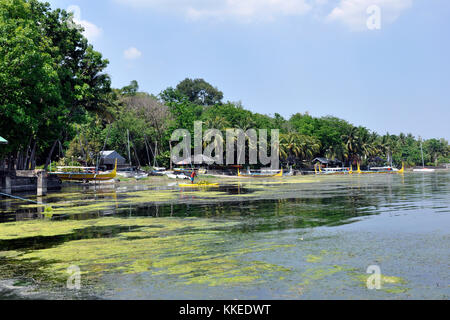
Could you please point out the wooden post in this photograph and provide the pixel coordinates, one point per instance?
(40, 209)
(41, 183)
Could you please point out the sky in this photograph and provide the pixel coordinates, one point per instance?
(382, 64)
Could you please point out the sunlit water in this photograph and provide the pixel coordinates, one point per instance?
(291, 238)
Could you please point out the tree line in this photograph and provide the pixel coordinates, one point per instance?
(57, 104)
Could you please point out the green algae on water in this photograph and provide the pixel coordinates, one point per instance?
(389, 284)
(189, 249)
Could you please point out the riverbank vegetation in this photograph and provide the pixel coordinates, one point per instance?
(57, 104)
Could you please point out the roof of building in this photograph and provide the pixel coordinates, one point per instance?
(112, 154)
(326, 161)
(3, 141)
(109, 158)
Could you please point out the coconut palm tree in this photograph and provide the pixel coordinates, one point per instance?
(336, 151)
(351, 144)
(215, 126)
(366, 142)
(218, 122)
(295, 145)
(289, 146)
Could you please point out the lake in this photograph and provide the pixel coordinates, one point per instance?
(307, 237)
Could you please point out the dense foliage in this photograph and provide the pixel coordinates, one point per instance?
(49, 77)
(150, 121)
(56, 103)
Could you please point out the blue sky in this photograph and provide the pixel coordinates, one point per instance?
(287, 56)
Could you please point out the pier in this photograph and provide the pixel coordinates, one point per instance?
(14, 181)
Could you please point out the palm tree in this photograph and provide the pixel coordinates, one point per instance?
(336, 151)
(299, 146)
(219, 123)
(351, 144)
(386, 146)
(366, 142)
(214, 126)
(289, 146)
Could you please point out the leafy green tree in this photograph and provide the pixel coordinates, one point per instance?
(434, 148)
(50, 76)
(131, 89)
(200, 92)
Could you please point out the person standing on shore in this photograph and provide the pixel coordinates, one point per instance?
(193, 175)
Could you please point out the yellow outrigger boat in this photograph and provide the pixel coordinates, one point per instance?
(260, 175)
(86, 176)
(198, 185)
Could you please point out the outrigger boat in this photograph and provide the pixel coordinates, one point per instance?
(260, 175)
(337, 171)
(85, 176)
(332, 171)
(385, 170)
(198, 185)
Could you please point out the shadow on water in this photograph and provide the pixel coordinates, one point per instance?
(46, 242)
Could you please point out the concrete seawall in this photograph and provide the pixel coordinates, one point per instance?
(17, 181)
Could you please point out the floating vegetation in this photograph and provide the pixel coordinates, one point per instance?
(313, 259)
(190, 249)
(312, 275)
(389, 284)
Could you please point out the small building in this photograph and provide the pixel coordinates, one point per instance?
(3, 141)
(108, 159)
(327, 163)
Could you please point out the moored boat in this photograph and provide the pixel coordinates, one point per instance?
(260, 175)
(198, 185)
(337, 171)
(386, 170)
(88, 175)
(426, 170)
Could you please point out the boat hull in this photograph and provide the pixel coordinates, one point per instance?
(198, 185)
(81, 176)
(84, 177)
(280, 174)
(424, 170)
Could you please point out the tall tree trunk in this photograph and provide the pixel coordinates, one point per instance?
(20, 164)
(170, 146)
(32, 157)
(49, 158)
(146, 148)
(137, 158)
(27, 154)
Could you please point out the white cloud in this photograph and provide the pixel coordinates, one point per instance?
(132, 53)
(91, 31)
(247, 10)
(353, 13)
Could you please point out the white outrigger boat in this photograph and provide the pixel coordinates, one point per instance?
(337, 171)
(426, 170)
(177, 176)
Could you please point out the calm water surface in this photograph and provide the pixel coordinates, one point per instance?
(291, 238)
